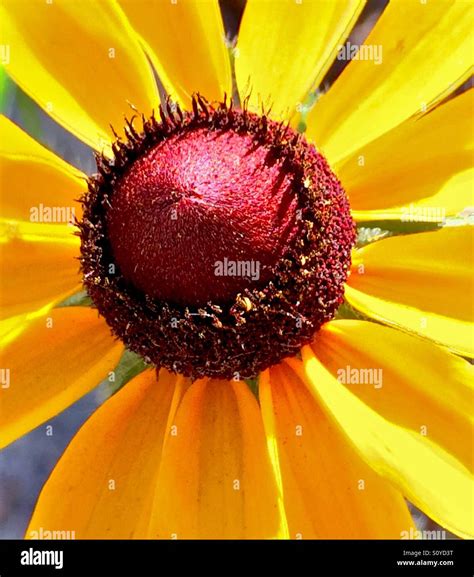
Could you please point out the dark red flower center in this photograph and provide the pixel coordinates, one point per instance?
(216, 242)
(201, 217)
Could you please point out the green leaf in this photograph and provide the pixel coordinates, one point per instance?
(27, 112)
(79, 299)
(346, 311)
(4, 90)
(129, 366)
(253, 386)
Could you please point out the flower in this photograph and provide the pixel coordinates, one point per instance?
(371, 412)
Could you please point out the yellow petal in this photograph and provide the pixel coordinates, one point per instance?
(39, 265)
(57, 359)
(425, 50)
(185, 40)
(35, 182)
(419, 282)
(424, 472)
(434, 397)
(216, 479)
(284, 48)
(105, 478)
(11, 327)
(329, 491)
(419, 171)
(80, 61)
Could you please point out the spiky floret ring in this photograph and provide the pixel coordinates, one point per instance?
(215, 242)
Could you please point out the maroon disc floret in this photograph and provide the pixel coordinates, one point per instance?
(215, 242)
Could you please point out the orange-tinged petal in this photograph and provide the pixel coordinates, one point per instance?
(80, 61)
(425, 51)
(185, 40)
(57, 359)
(424, 472)
(38, 263)
(107, 473)
(329, 491)
(420, 282)
(216, 479)
(431, 392)
(419, 171)
(12, 327)
(34, 181)
(284, 48)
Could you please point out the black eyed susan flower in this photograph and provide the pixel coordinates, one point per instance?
(217, 242)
